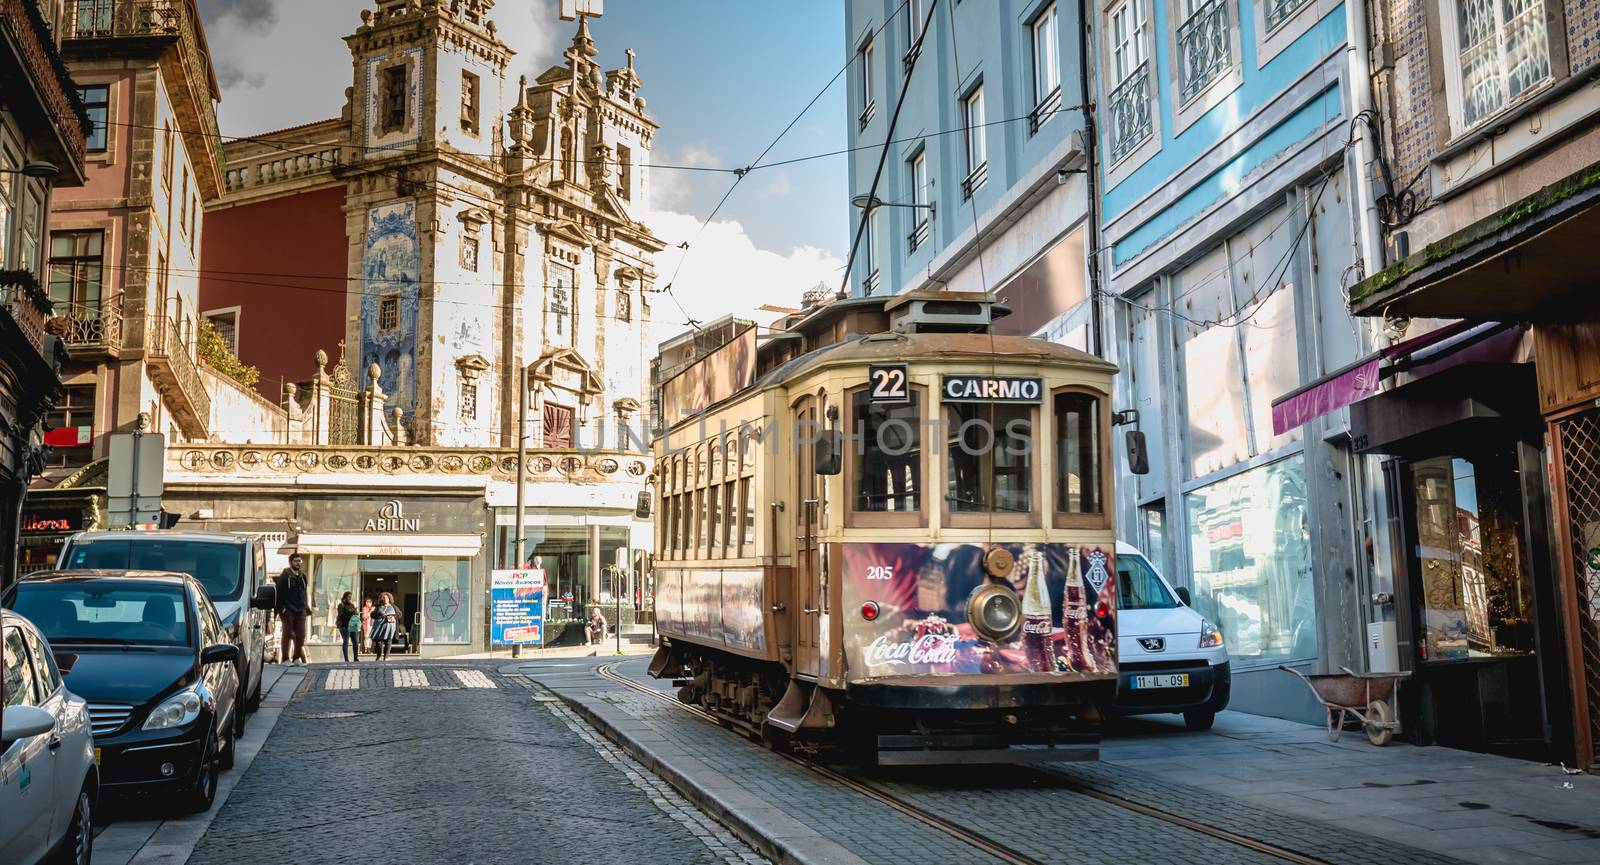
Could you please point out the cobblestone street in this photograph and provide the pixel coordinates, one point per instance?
(448, 763)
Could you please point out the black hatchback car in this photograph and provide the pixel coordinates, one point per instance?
(156, 668)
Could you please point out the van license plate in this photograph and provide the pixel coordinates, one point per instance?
(97, 756)
(1168, 680)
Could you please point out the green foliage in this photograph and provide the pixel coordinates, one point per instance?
(31, 289)
(219, 357)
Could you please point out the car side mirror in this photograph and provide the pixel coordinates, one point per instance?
(265, 598)
(1183, 595)
(24, 722)
(825, 454)
(65, 661)
(1138, 457)
(219, 653)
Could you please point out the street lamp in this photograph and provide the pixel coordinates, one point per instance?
(873, 202)
(37, 168)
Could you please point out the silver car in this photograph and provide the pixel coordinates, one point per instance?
(48, 779)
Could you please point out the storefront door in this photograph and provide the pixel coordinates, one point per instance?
(1479, 601)
(405, 589)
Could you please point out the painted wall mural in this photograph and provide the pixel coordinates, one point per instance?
(391, 267)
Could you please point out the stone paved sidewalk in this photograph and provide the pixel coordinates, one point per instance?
(1476, 807)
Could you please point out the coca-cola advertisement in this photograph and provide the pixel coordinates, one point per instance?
(924, 593)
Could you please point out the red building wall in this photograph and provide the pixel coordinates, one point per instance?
(282, 261)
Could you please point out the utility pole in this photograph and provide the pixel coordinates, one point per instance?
(522, 458)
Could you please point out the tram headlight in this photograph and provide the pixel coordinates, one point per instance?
(995, 613)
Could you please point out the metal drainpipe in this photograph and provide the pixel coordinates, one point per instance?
(1090, 139)
(1358, 52)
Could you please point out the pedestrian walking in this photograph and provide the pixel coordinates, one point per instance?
(366, 623)
(385, 622)
(597, 628)
(349, 621)
(294, 610)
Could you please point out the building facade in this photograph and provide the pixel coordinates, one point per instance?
(458, 234)
(983, 186)
(1487, 424)
(1230, 240)
(42, 130)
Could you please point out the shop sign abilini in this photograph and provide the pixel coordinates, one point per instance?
(392, 518)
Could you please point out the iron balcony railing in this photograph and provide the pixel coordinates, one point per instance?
(1203, 51)
(164, 341)
(869, 286)
(918, 236)
(867, 113)
(1129, 104)
(27, 310)
(1046, 109)
(51, 80)
(975, 180)
(92, 327)
(98, 19)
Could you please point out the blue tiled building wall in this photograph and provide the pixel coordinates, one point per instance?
(993, 39)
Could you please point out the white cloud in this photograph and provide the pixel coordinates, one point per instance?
(726, 273)
(671, 187)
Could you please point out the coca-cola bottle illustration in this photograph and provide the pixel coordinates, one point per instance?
(1037, 634)
(1075, 619)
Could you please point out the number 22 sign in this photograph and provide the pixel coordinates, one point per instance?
(889, 382)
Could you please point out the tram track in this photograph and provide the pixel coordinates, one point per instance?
(974, 839)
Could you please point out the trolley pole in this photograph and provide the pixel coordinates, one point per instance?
(522, 458)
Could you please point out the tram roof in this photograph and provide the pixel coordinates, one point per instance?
(914, 347)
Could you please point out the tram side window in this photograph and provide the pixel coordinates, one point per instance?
(713, 518)
(730, 521)
(887, 456)
(991, 458)
(747, 495)
(1078, 487)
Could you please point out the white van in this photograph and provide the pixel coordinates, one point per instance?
(1170, 659)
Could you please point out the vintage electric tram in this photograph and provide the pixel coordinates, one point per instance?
(885, 527)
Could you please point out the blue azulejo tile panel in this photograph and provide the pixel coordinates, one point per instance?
(391, 268)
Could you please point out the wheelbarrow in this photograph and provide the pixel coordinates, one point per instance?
(1362, 698)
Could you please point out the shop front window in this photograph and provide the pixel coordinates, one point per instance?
(1477, 595)
(331, 577)
(446, 594)
(1251, 552)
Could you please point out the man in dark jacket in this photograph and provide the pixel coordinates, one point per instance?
(294, 609)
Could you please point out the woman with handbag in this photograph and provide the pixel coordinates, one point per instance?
(385, 622)
(349, 621)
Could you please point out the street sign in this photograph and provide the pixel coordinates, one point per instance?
(134, 478)
(517, 607)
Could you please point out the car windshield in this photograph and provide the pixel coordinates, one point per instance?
(105, 611)
(218, 566)
(1138, 587)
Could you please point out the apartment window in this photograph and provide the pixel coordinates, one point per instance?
(977, 150)
(183, 202)
(93, 17)
(624, 304)
(171, 145)
(1204, 45)
(389, 313)
(1046, 68)
(469, 102)
(396, 96)
(1129, 104)
(914, 15)
(226, 325)
(1503, 51)
(557, 426)
(563, 304)
(1278, 11)
(161, 284)
(71, 436)
(869, 103)
(77, 268)
(469, 250)
(467, 402)
(97, 99)
(625, 172)
(873, 280)
(917, 171)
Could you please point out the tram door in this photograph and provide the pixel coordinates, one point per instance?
(807, 563)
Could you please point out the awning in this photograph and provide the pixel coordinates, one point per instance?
(1530, 261)
(363, 544)
(1356, 381)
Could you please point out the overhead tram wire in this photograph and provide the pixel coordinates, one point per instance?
(888, 139)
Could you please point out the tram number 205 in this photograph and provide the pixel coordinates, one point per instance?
(880, 572)
(889, 382)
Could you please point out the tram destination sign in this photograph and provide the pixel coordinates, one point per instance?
(991, 388)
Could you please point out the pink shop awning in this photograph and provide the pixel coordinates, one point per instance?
(1357, 381)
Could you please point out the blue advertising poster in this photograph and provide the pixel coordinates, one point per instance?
(517, 607)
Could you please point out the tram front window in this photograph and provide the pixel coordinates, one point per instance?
(887, 457)
(991, 458)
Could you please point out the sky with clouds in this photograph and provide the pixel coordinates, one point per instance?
(715, 78)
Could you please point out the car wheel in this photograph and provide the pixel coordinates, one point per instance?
(253, 702)
(229, 748)
(204, 789)
(77, 848)
(239, 716)
(1199, 719)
